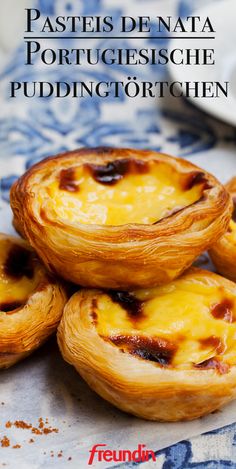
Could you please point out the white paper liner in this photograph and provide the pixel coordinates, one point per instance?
(45, 386)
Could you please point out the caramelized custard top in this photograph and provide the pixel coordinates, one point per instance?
(20, 274)
(189, 323)
(121, 191)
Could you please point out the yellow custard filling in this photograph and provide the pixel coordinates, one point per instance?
(231, 234)
(187, 323)
(120, 193)
(20, 274)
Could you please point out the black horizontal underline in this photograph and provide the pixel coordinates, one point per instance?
(119, 37)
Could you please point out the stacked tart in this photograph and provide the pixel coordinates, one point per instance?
(119, 219)
(223, 253)
(31, 301)
(163, 353)
(147, 333)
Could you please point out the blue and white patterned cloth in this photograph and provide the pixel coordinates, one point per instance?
(37, 128)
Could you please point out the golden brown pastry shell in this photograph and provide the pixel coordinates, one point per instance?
(125, 256)
(26, 328)
(138, 386)
(223, 253)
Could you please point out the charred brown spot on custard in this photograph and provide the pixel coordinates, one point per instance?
(94, 312)
(94, 318)
(213, 364)
(153, 349)
(129, 303)
(224, 310)
(213, 342)
(112, 172)
(195, 178)
(67, 180)
(19, 263)
(11, 306)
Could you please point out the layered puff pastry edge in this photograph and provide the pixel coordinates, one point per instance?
(223, 253)
(31, 301)
(119, 218)
(165, 353)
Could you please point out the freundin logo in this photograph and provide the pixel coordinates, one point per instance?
(122, 455)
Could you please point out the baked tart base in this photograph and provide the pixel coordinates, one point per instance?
(223, 253)
(31, 301)
(164, 353)
(119, 218)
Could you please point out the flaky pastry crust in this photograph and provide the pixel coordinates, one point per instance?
(166, 353)
(122, 256)
(31, 301)
(223, 253)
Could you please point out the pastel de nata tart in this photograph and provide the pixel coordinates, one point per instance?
(119, 218)
(223, 253)
(31, 302)
(165, 353)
